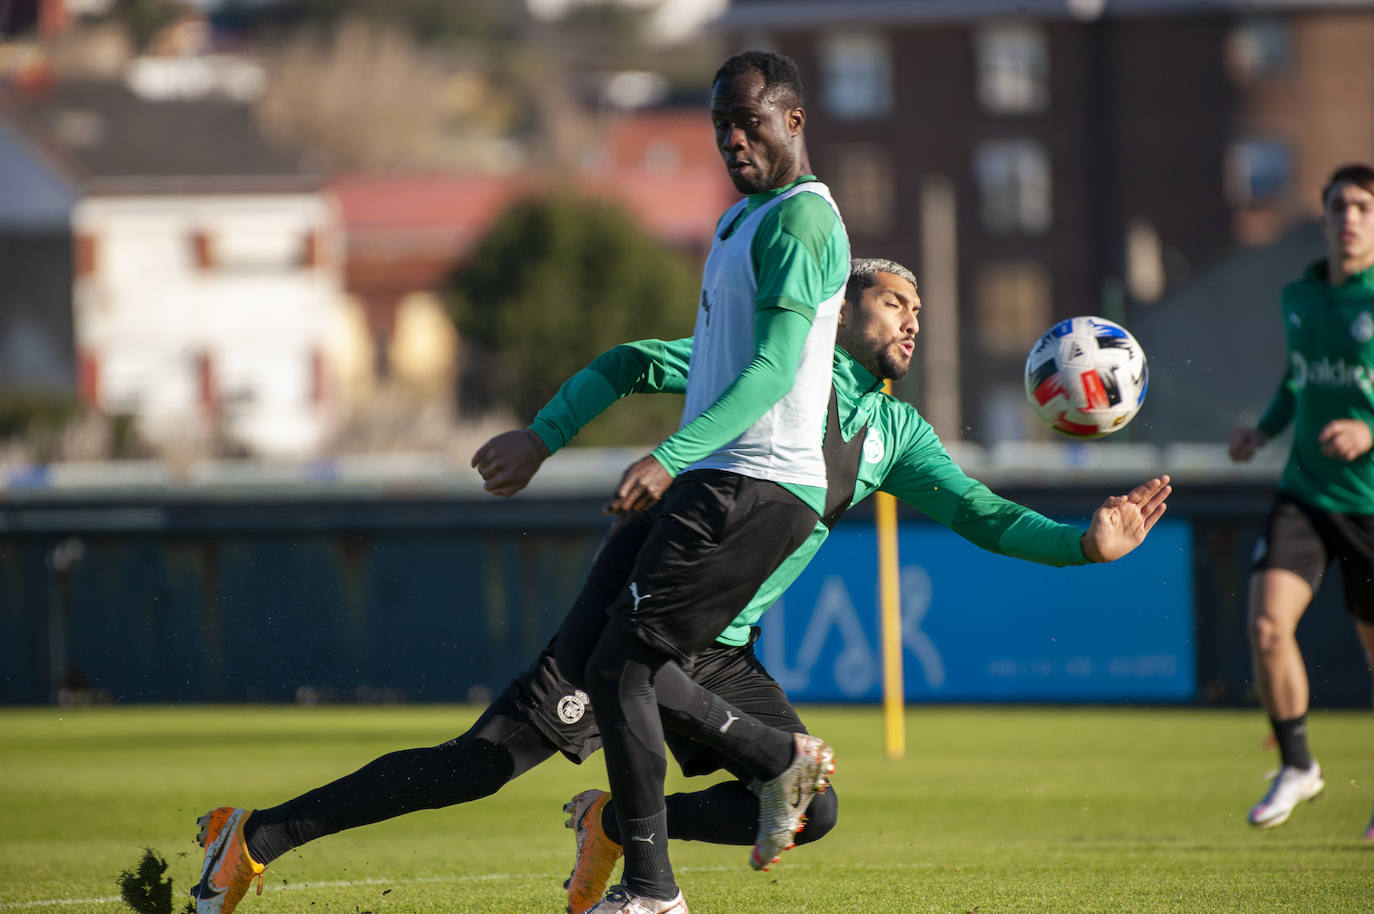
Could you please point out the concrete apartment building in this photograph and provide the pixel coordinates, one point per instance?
(1038, 159)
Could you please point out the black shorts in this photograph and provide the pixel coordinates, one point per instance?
(563, 715)
(713, 540)
(1304, 540)
(561, 712)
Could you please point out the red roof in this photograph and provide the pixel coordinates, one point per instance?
(459, 208)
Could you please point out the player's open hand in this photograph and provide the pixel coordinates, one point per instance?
(1122, 521)
(642, 485)
(509, 461)
(1346, 439)
(1245, 440)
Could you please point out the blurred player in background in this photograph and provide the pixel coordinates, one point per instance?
(540, 714)
(1324, 507)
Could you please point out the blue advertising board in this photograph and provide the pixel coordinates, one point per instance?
(983, 627)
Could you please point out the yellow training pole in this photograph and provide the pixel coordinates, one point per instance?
(889, 606)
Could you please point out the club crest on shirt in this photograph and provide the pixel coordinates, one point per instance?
(572, 707)
(873, 446)
(1362, 330)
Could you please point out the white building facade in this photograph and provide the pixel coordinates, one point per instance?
(211, 315)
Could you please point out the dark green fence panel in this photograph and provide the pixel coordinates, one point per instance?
(327, 598)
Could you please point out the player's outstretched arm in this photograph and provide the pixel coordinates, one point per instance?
(1122, 522)
(1245, 441)
(509, 461)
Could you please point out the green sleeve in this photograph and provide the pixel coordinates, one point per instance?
(800, 254)
(1280, 410)
(1283, 406)
(781, 336)
(926, 478)
(647, 366)
(998, 525)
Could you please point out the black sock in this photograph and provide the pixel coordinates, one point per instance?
(646, 853)
(728, 813)
(765, 751)
(395, 784)
(1291, 736)
(499, 747)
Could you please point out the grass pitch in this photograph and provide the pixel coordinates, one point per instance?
(992, 810)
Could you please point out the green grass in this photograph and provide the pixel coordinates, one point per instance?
(992, 810)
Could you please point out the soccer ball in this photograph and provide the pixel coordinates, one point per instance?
(1086, 377)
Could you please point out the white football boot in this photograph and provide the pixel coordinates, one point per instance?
(619, 901)
(784, 799)
(1291, 786)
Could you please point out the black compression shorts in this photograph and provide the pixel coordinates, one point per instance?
(562, 714)
(1304, 540)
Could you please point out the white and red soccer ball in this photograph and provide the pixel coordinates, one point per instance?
(1086, 377)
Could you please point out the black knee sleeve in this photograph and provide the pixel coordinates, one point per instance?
(620, 677)
(821, 816)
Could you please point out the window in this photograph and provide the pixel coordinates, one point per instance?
(661, 156)
(88, 377)
(1145, 276)
(1003, 416)
(635, 89)
(1013, 68)
(1012, 305)
(863, 187)
(131, 251)
(1257, 170)
(1013, 179)
(202, 249)
(78, 128)
(856, 76)
(252, 246)
(312, 249)
(1257, 47)
(84, 250)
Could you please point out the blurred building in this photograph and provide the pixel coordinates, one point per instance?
(1037, 159)
(47, 16)
(403, 235)
(1217, 342)
(164, 261)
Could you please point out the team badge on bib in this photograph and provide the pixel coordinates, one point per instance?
(873, 447)
(1362, 331)
(572, 707)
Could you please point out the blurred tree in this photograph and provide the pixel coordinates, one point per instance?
(556, 282)
(362, 95)
(39, 428)
(23, 413)
(473, 84)
(144, 19)
(444, 22)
